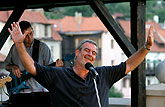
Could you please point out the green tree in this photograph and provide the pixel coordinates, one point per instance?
(119, 8)
(114, 93)
(153, 7)
(85, 10)
(58, 13)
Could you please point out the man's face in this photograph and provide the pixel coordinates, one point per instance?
(29, 37)
(87, 54)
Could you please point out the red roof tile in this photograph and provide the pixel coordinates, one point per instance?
(31, 16)
(55, 23)
(126, 27)
(155, 48)
(69, 24)
(55, 34)
(34, 17)
(4, 15)
(92, 24)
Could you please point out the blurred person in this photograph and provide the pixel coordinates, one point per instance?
(40, 52)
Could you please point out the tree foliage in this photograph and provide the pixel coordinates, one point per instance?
(153, 7)
(114, 93)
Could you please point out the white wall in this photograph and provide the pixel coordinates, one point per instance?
(55, 47)
(49, 29)
(151, 80)
(40, 30)
(156, 56)
(108, 53)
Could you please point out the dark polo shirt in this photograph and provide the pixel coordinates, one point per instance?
(67, 89)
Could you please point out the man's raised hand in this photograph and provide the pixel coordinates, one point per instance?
(16, 33)
(150, 37)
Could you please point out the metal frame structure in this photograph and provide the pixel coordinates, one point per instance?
(137, 7)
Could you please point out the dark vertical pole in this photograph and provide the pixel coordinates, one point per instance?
(138, 90)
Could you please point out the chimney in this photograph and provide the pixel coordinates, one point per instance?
(78, 18)
(156, 18)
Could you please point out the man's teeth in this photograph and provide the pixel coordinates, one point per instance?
(88, 57)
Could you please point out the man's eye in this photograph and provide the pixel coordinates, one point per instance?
(94, 53)
(87, 50)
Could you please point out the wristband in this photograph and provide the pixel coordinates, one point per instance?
(146, 48)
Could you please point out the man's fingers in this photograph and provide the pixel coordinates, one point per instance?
(17, 73)
(18, 26)
(151, 31)
(12, 27)
(10, 31)
(150, 36)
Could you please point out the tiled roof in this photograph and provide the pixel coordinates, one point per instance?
(159, 33)
(55, 28)
(31, 16)
(55, 23)
(4, 15)
(92, 24)
(34, 17)
(55, 34)
(125, 26)
(69, 24)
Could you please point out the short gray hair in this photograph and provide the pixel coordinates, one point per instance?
(79, 47)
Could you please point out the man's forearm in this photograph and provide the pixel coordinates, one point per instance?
(135, 59)
(26, 59)
(139, 56)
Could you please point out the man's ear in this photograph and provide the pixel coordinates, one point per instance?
(77, 51)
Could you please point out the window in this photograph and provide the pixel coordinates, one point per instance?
(52, 51)
(124, 82)
(112, 62)
(112, 43)
(148, 82)
(46, 30)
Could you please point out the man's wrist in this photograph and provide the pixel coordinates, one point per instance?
(146, 48)
(19, 43)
